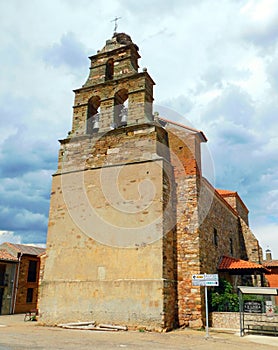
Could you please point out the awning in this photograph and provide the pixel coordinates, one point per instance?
(258, 290)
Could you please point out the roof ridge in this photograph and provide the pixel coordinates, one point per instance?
(183, 126)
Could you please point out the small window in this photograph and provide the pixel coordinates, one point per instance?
(231, 247)
(2, 274)
(109, 71)
(32, 271)
(29, 296)
(215, 237)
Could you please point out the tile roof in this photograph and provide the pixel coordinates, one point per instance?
(226, 192)
(22, 248)
(271, 263)
(229, 263)
(4, 255)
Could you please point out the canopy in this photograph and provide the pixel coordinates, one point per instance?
(258, 290)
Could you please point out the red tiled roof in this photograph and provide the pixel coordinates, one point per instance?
(226, 192)
(22, 248)
(4, 255)
(271, 263)
(229, 263)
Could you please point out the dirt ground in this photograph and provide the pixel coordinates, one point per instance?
(17, 334)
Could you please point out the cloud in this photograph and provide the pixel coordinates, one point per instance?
(29, 226)
(69, 52)
(261, 23)
(272, 73)
(20, 155)
(214, 63)
(232, 104)
(267, 235)
(177, 106)
(8, 236)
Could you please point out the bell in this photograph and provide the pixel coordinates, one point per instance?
(96, 126)
(96, 123)
(124, 120)
(123, 116)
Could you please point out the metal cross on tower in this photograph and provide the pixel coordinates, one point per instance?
(116, 24)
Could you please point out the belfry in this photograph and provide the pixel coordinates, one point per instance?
(111, 218)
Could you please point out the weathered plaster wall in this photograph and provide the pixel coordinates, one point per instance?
(94, 213)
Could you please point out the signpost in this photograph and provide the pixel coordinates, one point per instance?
(206, 280)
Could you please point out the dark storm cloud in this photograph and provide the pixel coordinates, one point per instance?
(20, 155)
(25, 203)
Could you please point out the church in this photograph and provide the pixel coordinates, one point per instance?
(131, 217)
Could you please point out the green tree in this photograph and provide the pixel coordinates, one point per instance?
(222, 298)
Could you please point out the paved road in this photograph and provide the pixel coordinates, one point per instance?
(18, 335)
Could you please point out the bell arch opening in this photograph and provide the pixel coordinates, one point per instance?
(121, 108)
(93, 115)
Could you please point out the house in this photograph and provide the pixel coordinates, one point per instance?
(8, 272)
(272, 276)
(24, 277)
(131, 216)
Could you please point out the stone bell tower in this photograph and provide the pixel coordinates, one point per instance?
(111, 234)
(113, 89)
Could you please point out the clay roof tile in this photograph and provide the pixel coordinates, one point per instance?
(4, 255)
(229, 263)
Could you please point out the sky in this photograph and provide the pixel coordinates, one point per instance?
(215, 64)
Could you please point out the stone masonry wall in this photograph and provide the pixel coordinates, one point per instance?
(216, 217)
(237, 204)
(250, 243)
(139, 88)
(225, 320)
(137, 144)
(169, 248)
(104, 260)
(183, 151)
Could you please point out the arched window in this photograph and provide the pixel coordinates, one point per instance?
(121, 108)
(93, 114)
(109, 71)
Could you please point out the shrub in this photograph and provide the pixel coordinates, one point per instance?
(222, 298)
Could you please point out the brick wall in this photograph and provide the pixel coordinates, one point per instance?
(184, 150)
(22, 305)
